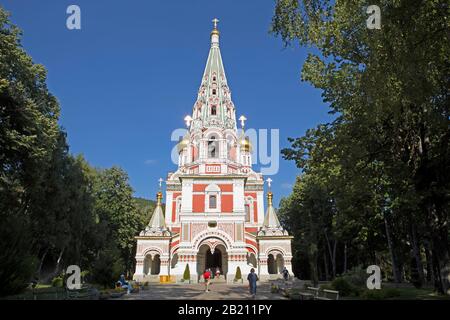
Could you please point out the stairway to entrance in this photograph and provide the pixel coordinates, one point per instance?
(219, 280)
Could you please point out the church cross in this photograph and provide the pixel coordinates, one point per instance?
(160, 183)
(215, 21)
(242, 119)
(188, 119)
(269, 182)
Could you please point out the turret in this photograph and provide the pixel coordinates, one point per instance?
(157, 224)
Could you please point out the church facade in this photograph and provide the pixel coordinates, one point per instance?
(214, 214)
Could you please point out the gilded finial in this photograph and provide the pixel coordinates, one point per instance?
(159, 195)
(215, 31)
(269, 193)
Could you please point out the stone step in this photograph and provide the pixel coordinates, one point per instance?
(220, 280)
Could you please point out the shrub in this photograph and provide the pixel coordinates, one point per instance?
(57, 282)
(356, 276)
(380, 294)
(17, 263)
(343, 286)
(107, 268)
(187, 273)
(238, 275)
(392, 292)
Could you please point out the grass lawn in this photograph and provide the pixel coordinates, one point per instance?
(419, 294)
(41, 292)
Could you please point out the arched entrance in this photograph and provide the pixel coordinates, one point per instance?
(275, 263)
(152, 265)
(212, 254)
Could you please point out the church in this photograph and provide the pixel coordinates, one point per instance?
(214, 210)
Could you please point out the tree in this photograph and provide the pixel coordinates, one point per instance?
(29, 133)
(389, 90)
(187, 273)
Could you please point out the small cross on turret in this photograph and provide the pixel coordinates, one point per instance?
(269, 183)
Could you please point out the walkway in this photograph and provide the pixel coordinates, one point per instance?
(218, 291)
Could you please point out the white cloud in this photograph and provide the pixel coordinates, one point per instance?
(149, 162)
(287, 185)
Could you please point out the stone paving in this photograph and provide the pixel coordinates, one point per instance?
(218, 291)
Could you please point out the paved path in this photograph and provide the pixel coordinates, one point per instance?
(218, 291)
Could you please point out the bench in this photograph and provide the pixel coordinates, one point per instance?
(82, 294)
(317, 294)
(328, 295)
(310, 294)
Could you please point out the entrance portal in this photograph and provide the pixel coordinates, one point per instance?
(216, 259)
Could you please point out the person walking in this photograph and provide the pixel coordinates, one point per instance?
(217, 273)
(207, 278)
(285, 273)
(252, 278)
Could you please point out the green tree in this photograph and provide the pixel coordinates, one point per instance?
(389, 91)
(29, 134)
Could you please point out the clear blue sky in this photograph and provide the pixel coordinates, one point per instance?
(128, 78)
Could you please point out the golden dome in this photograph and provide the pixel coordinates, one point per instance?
(246, 145)
(183, 143)
(215, 31)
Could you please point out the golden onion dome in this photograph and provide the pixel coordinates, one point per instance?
(215, 31)
(183, 143)
(246, 145)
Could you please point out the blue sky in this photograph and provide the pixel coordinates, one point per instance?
(126, 80)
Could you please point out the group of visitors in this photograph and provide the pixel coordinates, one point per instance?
(252, 278)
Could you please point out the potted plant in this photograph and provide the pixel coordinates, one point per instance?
(238, 275)
(187, 275)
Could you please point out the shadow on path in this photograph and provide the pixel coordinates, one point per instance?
(218, 291)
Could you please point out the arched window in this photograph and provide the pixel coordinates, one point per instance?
(212, 198)
(213, 202)
(247, 213)
(214, 91)
(177, 208)
(213, 149)
(213, 110)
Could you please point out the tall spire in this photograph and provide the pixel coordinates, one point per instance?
(214, 107)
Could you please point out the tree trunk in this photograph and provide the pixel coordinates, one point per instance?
(395, 268)
(345, 257)
(312, 254)
(41, 263)
(332, 254)
(327, 275)
(440, 248)
(416, 253)
(58, 262)
(429, 258)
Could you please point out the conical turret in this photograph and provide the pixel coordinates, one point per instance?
(157, 224)
(271, 225)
